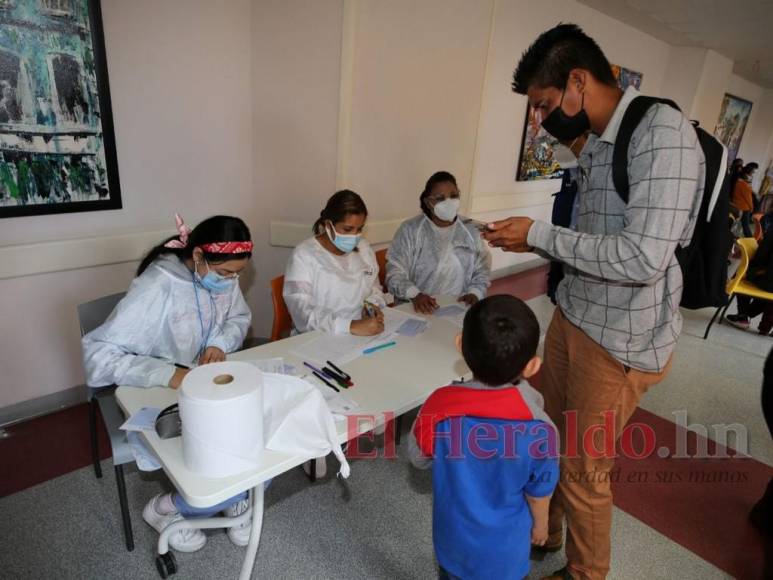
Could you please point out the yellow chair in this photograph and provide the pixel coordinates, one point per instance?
(738, 283)
(283, 324)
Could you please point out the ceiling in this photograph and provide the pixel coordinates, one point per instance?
(741, 30)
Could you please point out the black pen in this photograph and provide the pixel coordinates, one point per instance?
(179, 366)
(321, 378)
(336, 377)
(339, 371)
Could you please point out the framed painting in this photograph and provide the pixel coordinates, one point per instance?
(57, 145)
(536, 160)
(731, 125)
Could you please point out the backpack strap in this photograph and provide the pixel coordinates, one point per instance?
(631, 119)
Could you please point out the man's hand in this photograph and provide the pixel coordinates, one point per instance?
(509, 234)
(468, 299)
(424, 303)
(210, 355)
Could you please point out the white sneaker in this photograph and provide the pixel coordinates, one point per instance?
(188, 540)
(239, 535)
(320, 467)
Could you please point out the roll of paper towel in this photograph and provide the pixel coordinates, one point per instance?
(221, 409)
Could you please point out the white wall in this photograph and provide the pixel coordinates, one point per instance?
(296, 55)
(711, 89)
(416, 88)
(683, 74)
(260, 108)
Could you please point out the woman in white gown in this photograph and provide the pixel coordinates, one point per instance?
(331, 282)
(436, 253)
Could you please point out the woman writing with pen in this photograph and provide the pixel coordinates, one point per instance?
(331, 281)
(184, 308)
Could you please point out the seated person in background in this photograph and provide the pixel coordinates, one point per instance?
(760, 273)
(742, 197)
(435, 253)
(331, 281)
(492, 448)
(184, 308)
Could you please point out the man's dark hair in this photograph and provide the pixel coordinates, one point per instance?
(500, 336)
(753, 166)
(548, 62)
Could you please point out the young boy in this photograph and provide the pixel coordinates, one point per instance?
(492, 448)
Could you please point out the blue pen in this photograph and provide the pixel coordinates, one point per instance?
(379, 347)
(313, 368)
(324, 373)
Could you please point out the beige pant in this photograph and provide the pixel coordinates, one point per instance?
(582, 383)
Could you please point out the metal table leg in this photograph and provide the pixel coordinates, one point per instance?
(254, 511)
(256, 497)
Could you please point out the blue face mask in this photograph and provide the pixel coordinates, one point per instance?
(344, 243)
(215, 283)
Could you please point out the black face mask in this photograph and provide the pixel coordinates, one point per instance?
(562, 126)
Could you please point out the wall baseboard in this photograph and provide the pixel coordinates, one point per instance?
(42, 405)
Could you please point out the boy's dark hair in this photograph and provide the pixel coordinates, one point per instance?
(219, 228)
(341, 204)
(435, 178)
(550, 59)
(500, 336)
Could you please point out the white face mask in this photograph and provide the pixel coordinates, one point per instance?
(564, 156)
(447, 209)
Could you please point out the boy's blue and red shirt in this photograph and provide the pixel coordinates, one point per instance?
(488, 448)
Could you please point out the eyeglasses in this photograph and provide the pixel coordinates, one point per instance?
(433, 199)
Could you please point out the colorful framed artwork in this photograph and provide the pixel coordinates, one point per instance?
(57, 144)
(627, 77)
(536, 160)
(731, 125)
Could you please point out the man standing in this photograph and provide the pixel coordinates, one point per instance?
(617, 321)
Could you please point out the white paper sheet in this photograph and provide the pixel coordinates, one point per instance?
(453, 313)
(142, 420)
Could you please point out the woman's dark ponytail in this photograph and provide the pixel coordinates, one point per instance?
(219, 228)
(341, 204)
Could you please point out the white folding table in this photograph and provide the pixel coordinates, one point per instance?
(394, 380)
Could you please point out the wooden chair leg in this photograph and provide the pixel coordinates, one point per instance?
(93, 405)
(127, 522)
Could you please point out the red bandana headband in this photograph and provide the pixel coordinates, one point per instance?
(227, 247)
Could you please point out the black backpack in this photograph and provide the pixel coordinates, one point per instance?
(704, 260)
(563, 203)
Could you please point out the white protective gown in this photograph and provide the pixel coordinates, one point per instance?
(326, 292)
(157, 324)
(424, 258)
